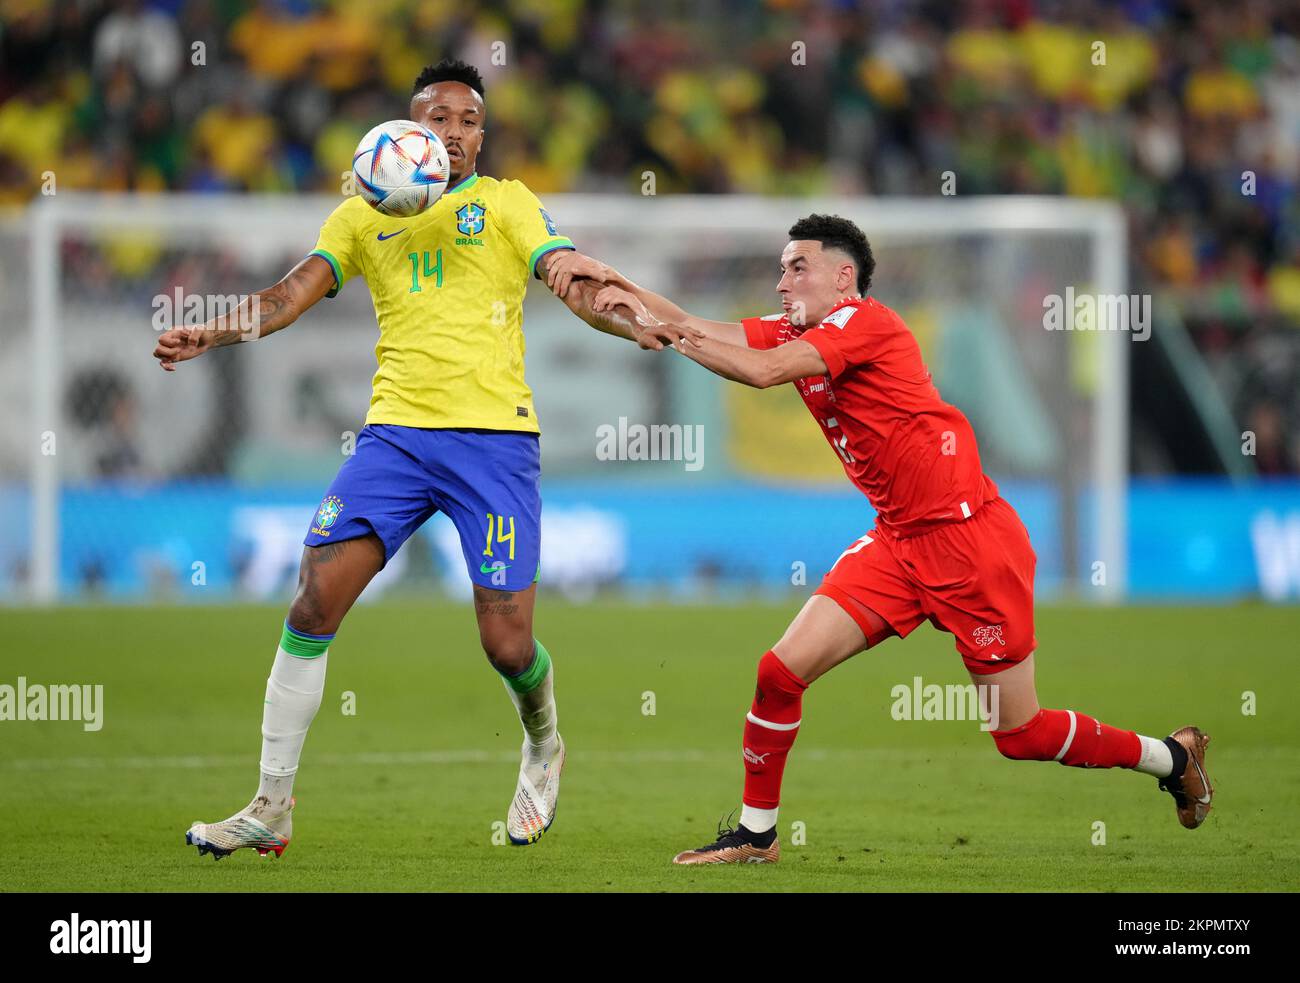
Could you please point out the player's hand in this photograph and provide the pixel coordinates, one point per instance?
(656, 335)
(609, 297)
(569, 264)
(651, 333)
(180, 345)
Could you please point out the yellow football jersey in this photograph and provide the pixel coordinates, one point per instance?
(448, 288)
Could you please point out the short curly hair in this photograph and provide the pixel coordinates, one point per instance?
(834, 232)
(449, 70)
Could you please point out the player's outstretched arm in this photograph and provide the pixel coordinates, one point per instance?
(757, 367)
(569, 266)
(623, 317)
(264, 313)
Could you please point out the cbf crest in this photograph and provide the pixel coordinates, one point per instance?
(328, 513)
(470, 219)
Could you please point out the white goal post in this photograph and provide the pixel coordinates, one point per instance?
(979, 251)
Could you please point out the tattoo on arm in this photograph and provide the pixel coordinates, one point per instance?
(264, 313)
(269, 310)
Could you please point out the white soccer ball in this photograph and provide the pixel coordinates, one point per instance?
(401, 168)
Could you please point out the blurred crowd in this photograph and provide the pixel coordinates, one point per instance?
(1188, 111)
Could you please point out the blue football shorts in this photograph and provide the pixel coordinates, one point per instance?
(486, 481)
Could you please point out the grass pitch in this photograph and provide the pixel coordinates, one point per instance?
(403, 794)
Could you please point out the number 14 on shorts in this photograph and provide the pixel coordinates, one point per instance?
(498, 523)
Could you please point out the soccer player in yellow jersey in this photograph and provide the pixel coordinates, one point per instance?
(451, 428)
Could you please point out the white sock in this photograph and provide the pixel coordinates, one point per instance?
(538, 716)
(273, 794)
(293, 695)
(1156, 759)
(757, 820)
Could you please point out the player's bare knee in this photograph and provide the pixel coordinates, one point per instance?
(307, 614)
(310, 612)
(505, 629)
(510, 652)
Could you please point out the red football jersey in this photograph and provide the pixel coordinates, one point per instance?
(913, 455)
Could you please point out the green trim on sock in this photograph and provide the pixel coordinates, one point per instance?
(303, 648)
(532, 677)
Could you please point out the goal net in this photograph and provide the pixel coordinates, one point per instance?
(127, 482)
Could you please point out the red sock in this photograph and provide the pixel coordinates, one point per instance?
(1071, 738)
(770, 729)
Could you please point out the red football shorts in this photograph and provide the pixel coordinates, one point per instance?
(973, 578)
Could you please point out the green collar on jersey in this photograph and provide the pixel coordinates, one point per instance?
(464, 182)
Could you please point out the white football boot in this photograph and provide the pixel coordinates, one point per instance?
(536, 795)
(247, 828)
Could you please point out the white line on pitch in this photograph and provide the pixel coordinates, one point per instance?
(481, 756)
(469, 756)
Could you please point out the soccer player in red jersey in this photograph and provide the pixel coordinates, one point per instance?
(946, 547)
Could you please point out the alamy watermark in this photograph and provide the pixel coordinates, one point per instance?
(181, 309)
(35, 701)
(654, 442)
(1098, 312)
(102, 936)
(919, 700)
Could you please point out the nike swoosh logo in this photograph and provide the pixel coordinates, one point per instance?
(484, 568)
(390, 235)
(1205, 782)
